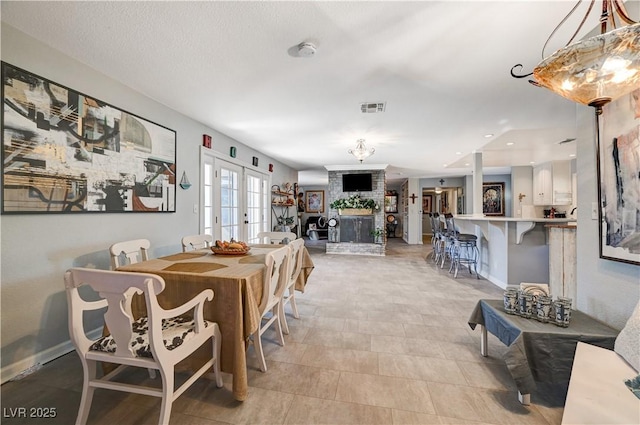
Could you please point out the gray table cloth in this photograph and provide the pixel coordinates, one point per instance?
(538, 351)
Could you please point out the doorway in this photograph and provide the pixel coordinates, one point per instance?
(234, 200)
(441, 200)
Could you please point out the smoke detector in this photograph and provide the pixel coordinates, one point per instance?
(306, 50)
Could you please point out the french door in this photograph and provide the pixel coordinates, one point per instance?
(256, 210)
(234, 201)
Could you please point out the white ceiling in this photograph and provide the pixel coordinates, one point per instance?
(441, 66)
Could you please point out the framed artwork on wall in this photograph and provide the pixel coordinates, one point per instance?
(66, 152)
(618, 165)
(427, 203)
(493, 199)
(315, 201)
(391, 203)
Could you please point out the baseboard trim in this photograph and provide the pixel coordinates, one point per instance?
(10, 371)
(498, 282)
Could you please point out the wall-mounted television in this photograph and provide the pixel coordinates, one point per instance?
(357, 182)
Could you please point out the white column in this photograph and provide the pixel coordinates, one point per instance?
(477, 183)
(415, 218)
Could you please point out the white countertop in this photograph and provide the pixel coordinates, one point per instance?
(513, 219)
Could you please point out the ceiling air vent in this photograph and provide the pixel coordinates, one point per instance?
(372, 108)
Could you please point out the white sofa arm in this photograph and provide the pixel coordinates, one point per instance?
(597, 392)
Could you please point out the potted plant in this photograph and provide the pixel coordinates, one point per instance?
(354, 205)
(284, 223)
(377, 234)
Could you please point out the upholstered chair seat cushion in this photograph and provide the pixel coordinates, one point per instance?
(175, 332)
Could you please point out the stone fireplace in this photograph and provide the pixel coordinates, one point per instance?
(354, 231)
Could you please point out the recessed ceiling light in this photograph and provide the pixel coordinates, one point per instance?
(466, 164)
(572, 155)
(488, 135)
(458, 153)
(444, 165)
(532, 162)
(509, 143)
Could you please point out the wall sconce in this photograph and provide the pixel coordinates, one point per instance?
(184, 181)
(232, 152)
(271, 168)
(521, 196)
(255, 161)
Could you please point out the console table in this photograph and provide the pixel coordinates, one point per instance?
(538, 351)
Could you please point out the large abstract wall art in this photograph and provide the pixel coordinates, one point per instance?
(64, 152)
(619, 179)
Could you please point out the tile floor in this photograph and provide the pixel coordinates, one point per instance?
(380, 340)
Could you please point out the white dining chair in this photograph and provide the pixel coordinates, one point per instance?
(288, 295)
(275, 237)
(158, 341)
(134, 251)
(194, 242)
(273, 285)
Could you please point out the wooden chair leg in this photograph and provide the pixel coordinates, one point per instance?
(87, 392)
(283, 319)
(294, 307)
(257, 345)
(217, 348)
(167, 396)
(276, 310)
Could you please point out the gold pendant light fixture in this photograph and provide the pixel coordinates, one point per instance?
(596, 70)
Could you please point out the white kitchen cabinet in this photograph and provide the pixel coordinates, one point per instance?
(552, 183)
(561, 182)
(542, 184)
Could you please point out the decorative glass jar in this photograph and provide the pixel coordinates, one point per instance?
(526, 306)
(562, 307)
(511, 300)
(543, 308)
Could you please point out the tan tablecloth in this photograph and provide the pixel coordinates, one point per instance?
(236, 282)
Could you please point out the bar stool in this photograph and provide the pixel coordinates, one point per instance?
(463, 248)
(438, 240)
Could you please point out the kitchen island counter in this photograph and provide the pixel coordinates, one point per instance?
(512, 249)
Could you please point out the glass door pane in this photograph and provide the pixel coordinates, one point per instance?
(228, 176)
(208, 213)
(255, 212)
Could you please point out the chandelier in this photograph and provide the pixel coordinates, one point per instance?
(597, 70)
(361, 151)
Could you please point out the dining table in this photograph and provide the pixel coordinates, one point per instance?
(236, 281)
